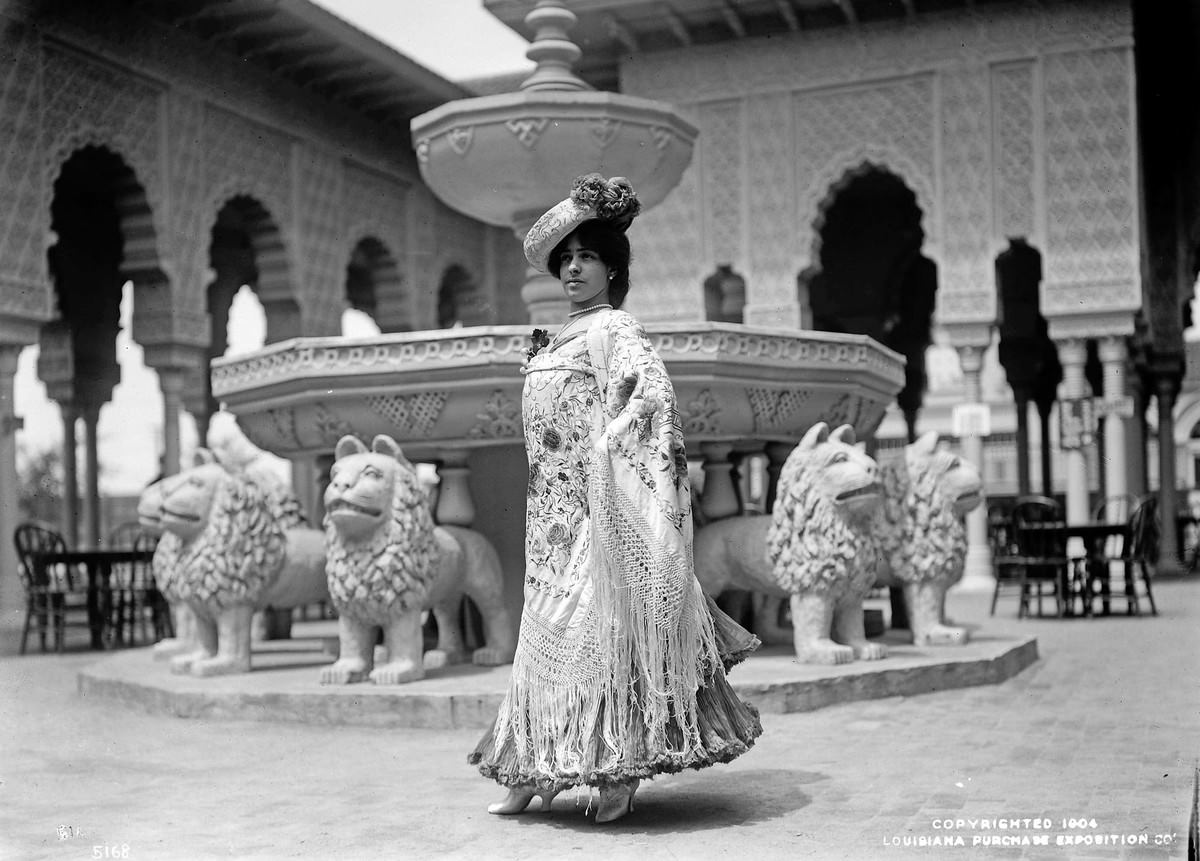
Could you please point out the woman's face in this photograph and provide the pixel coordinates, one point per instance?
(583, 275)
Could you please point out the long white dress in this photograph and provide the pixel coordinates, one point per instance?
(619, 671)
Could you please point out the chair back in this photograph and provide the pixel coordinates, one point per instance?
(1115, 509)
(1001, 537)
(1037, 544)
(1144, 531)
(124, 536)
(31, 538)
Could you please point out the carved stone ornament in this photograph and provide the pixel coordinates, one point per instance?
(500, 419)
(460, 139)
(527, 130)
(701, 415)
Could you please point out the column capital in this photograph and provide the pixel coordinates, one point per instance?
(977, 334)
(18, 331)
(10, 355)
(970, 357)
(175, 357)
(1071, 351)
(1113, 348)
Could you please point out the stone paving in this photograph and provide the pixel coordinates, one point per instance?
(1105, 727)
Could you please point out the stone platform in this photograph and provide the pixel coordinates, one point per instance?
(283, 684)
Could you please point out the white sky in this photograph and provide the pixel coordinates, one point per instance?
(457, 39)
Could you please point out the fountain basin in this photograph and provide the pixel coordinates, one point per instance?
(460, 389)
(506, 159)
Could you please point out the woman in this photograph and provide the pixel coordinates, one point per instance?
(620, 672)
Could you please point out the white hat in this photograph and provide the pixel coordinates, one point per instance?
(592, 197)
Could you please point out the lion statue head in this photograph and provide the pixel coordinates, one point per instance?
(232, 532)
(166, 553)
(820, 536)
(380, 549)
(926, 494)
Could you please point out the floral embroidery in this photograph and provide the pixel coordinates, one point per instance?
(564, 411)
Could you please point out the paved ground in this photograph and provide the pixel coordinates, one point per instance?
(1105, 727)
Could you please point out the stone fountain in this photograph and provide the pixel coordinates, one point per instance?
(453, 397)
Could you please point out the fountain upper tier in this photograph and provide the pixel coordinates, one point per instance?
(506, 159)
(457, 389)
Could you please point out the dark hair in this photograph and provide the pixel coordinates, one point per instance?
(611, 244)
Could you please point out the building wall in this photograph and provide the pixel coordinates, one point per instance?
(198, 126)
(1010, 121)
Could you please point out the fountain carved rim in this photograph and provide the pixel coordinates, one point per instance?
(576, 105)
(410, 359)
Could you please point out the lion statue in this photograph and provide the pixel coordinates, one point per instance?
(921, 533)
(815, 549)
(388, 562)
(242, 546)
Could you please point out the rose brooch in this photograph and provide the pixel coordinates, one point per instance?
(540, 340)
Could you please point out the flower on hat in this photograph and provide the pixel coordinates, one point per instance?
(612, 200)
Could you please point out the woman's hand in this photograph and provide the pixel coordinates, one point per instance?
(624, 390)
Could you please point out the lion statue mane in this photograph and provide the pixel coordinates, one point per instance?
(243, 545)
(921, 532)
(387, 562)
(815, 548)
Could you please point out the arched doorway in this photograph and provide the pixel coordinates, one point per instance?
(374, 287)
(458, 299)
(246, 249)
(98, 213)
(724, 295)
(870, 277)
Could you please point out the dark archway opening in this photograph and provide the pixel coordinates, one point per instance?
(1027, 354)
(457, 303)
(374, 287)
(85, 266)
(724, 295)
(872, 278)
(246, 249)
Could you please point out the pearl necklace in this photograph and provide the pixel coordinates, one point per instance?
(588, 310)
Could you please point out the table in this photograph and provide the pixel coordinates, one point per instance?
(1094, 536)
(98, 563)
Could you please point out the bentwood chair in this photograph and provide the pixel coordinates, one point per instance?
(140, 608)
(1045, 568)
(1007, 564)
(55, 596)
(1138, 555)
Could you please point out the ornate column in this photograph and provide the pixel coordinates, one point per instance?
(777, 455)
(454, 504)
(1072, 352)
(171, 380)
(1166, 385)
(91, 467)
(1118, 409)
(10, 586)
(720, 497)
(175, 363)
(70, 488)
(978, 575)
